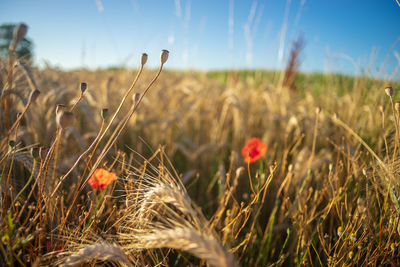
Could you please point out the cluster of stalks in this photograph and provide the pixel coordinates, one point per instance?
(325, 194)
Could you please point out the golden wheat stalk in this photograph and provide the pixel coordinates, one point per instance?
(187, 239)
(102, 251)
(166, 193)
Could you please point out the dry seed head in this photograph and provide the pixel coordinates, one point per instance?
(83, 87)
(18, 34)
(164, 56)
(389, 91)
(381, 108)
(136, 98)
(330, 167)
(33, 96)
(364, 171)
(290, 167)
(65, 119)
(361, 208)
(60, 107)
(143, 59)
(11, 143)
(317, 110)
(397, 106)
(104, 113)
(35, 152)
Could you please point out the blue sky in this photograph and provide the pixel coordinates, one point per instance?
(340, 35)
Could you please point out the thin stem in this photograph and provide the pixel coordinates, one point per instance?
(105, 150)
(314, 143)
(76, 102)
(94, 143)
(397, 142)
(250, 180)
(30, 193)
(121, 103)
(16, 124)
(112, 140)
(27, 183)
(99, 202)
(6, 99)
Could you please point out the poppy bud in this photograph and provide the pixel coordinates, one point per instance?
(290, 168)
(18, 34)
(104, 113)
(136, 98)
(35, 152)
(389, 91)
(83, 87)
(60, 107)
(65, 119)
(143, 59)
(33, 96)
(164, 56)
(11, 143)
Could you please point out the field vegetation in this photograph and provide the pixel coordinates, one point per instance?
(174, 188)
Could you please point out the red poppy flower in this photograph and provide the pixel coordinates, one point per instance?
(253, 150)
(101, 178)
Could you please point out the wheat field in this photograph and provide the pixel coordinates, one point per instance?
(326, 192)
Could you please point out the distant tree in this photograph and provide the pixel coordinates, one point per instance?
(24, 47)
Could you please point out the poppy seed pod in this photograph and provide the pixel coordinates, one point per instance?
(136, 98)
(60, 107)
(164, 56)
(18, 34)
(33, 96)
(83, 87)
(35, 152)
(143, 59)
(397, 106)
(389, 91)
(104, 113)
(381, 108)
(65, 119)
(11, 143)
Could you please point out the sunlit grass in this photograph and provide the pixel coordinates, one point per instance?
(325, 192)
